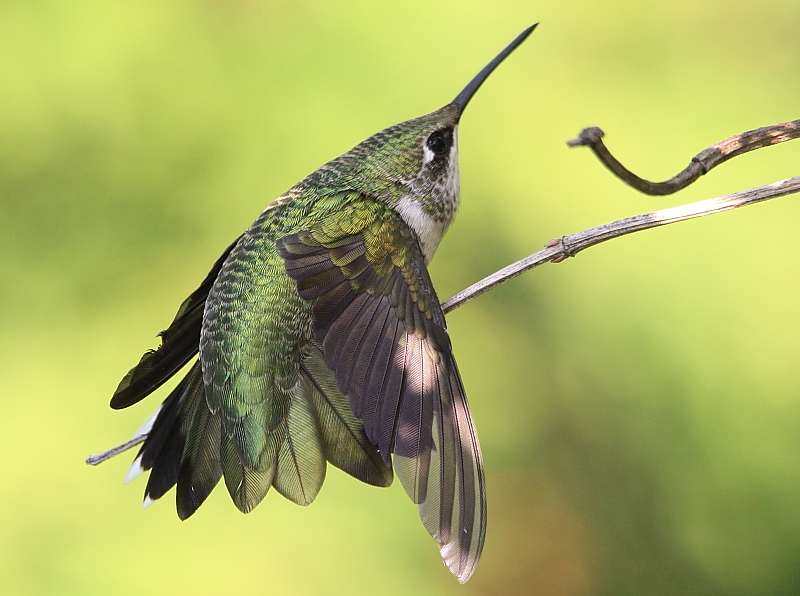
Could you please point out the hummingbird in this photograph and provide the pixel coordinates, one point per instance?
(317, 337)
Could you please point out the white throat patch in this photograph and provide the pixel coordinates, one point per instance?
(429, 231)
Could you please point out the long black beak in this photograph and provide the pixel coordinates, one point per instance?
(462, 99)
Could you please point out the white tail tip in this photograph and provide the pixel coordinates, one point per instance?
(134, 471)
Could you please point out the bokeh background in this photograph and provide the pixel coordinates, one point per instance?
(638, 407)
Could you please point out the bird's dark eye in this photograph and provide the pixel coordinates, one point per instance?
(439, 142)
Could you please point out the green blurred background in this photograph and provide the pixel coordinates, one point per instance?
(638, 407)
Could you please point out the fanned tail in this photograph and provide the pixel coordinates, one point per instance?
(187, 446)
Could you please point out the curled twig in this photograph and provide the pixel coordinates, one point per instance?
(701, 163)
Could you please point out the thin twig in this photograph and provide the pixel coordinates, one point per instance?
(139, 437)
(568, 246)
(701, 163)
(99, 458)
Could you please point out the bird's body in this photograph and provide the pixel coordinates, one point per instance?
(321, 339)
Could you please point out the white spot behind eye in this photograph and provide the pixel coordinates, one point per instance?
(427, 154)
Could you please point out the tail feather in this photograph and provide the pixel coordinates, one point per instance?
(188, 445)
(201, 468)
(247, 486)
(301, 459)
(163, 449)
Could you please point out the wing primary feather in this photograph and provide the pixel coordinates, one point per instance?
(165, 427)
(349, 347)
(473, 512)
(364, 353)
(376, 383)
(340, 330)
(461, 512)
(201, 467)
(163, 449)
(392, 391)
(178, 345)
(367, 406)
(414, 441)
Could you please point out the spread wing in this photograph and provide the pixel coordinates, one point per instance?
(383, 333)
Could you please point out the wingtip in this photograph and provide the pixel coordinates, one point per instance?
(460, 566)
(463, 575)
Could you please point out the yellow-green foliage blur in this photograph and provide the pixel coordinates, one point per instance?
(638, 407)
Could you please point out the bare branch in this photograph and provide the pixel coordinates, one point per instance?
(701, 163)
(568, 246)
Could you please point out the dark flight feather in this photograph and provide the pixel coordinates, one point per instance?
(163, 449)
(178, 344)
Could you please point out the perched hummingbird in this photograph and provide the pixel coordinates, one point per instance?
(321, 338)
